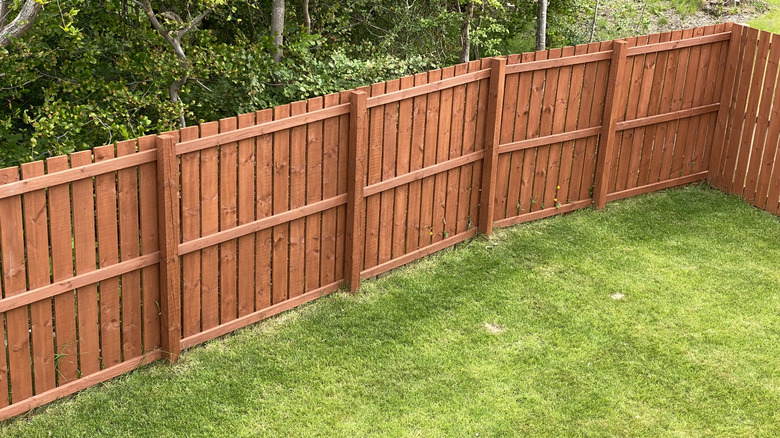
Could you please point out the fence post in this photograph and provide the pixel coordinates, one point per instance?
(609, 121)
(492, 135)
(356, 174)
(168, 226)
(717, 147)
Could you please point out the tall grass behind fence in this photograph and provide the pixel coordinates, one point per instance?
(129, 253)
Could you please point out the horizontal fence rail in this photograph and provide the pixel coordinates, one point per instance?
(127, 254)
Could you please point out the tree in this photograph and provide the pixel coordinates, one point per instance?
(465, 38)
(306, 16)
(174, 39)
(20, 24)
(277, 27)
(541, 26)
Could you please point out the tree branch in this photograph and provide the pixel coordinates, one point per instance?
(20, 24)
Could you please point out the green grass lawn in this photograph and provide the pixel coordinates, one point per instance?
(659, 316)
(770, 21)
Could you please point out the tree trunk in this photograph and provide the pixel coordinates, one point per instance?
(541, 26)
(277, 27)
(465, 40)
(593, 26)
(306, 16)
(21, 24)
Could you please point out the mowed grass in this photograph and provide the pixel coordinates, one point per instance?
(770, 21)
(522, 333)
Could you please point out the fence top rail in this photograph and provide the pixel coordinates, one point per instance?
(76, 173)
(558, 62)
(679, 44)
(427, 88)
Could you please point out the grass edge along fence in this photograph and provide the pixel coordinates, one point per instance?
(129, 253)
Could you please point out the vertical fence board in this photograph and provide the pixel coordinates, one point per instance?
(389, 156)
(246, 214)
(228, 218)
(190, 229)
(129, 248)
(420, 105)
(14, 282)
(281, 204)
(66, 347)
(150, 275)
(264, 208)
(403, 153)
(37, 261)
(297, 199)
(209, 213)
(330, 188)
(443, 145)
(455, 150)
(314, 171)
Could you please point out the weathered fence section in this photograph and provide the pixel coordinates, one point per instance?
(746, 138)
(129, 253)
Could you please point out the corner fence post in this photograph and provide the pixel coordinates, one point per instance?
(617, 68)
(168, 226)
(492, 135)
(356, 177)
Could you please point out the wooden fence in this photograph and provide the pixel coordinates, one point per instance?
(127, 254)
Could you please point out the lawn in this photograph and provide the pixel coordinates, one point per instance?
(659, 316)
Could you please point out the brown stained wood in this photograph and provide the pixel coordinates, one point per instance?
(84, 250)
(680, 142)
(439, 201)
(455, 151)
(419, 111)
(469, 140)
(343, 176)
(507, 124)
(423, 173)
(545, 128)
(604, 163)
(209, 214)
(678, 59)
(314, 170)
(358, 147)
(545, 64)
(527, 188)
(480, 139)
(647, 69)
(14, 282)
(713, 88)
(297, 253)
(738, 112)
(658, 62)
(76, 173)
(429, 159)
(168, 232)
(263, 208)
(389, 156)
(129, 248)
(519, 123)
(60, 236)
(661, 185)
(246, 214)
(374, 175)
(108, 254)
(492, 133)
(669, 63)
(596, 115)
(570, 124)
(259, 129)
(689, 127)
(403, 152)
(281, 193)
(547, 212)
(769, 181)
(150, 275)
(747, 144)
(330, 188)
(762, 125)
(554, 170)
(679, 44)
(418, 253)
(428, 88)
(190, 230)
(580, 166)
(629, 103)
(77, 385)
(668, 116)
(725, 98)
(258, 315)
(228, 218)
(37, 261)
